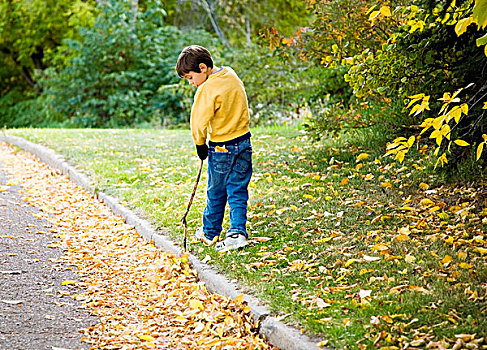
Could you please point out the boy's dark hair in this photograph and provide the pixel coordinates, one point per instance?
(190, 58)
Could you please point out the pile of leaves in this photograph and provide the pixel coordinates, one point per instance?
(144, 298)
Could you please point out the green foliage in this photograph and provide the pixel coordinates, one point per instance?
(30, 30)
(278, 88)
(114, 74)
(391, 53)
(434, 52)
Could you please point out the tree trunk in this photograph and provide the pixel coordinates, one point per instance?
(135, 9)
(32, 82)
(208, 6)
(247, 25)
(38, 58)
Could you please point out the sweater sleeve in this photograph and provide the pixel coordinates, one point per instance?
(202, 111)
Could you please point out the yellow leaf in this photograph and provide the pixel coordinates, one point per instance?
(438, 122)
(418, 289)
(485, 103)
(416, 97)
(180, 318)
(401, 238)
(461, 143)
(424, 186)
(481, 250)
(479, 150)
(68, 282)
(362, 156)
(425, 202)
(404, 230)
(239, 299)
(350, 262)
(447, 259)
(147, 337)
(196, 304)
(456, 113)
(407, 208)
(373, 15)
(380, 247)
(370, 258)
(435, 208)
(411, 141)
(344, 181)
(409, 258)
(462, 25)
(386, 184)
(445, 131)
(385, 11)
(465, 265)
(400, 156)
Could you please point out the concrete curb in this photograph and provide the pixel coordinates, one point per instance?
(276, 332)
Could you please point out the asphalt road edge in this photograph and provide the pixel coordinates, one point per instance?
(276, 332)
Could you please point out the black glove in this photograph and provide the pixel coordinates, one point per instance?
(202, 151)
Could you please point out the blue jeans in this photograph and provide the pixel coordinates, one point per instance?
(228, 179)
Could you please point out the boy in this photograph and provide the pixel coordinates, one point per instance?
(220, 109)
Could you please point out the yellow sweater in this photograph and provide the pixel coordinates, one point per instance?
(220, 108)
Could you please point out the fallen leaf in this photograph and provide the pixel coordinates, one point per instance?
(147, 337)
(321, 303)
(12, 302)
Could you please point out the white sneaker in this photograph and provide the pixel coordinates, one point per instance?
(200, 235)
(234, 240)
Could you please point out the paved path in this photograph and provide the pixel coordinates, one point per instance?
(35, 312)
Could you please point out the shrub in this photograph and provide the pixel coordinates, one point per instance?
(114, 73)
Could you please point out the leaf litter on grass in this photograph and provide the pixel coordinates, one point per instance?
(355, 248)
(144, 298)
(360, 242)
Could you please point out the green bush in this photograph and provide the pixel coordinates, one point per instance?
(282, 88)
(114, 74)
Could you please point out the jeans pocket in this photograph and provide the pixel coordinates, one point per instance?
(244, 160)
(221, 162)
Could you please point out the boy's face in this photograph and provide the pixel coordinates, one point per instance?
(196, 79)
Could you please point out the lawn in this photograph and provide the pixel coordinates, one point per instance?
(345, 243)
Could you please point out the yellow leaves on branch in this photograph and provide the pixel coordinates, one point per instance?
(480, 147)
(441, 126)
(399, 147)
(375, 14)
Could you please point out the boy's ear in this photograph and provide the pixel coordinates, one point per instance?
(203, 67)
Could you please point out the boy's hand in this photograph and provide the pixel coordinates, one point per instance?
(202, 151)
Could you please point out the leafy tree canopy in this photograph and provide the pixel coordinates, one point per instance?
(31, 30)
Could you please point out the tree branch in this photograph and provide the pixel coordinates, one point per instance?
(32, 82)
(208, 6)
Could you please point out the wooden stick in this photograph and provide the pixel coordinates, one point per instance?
(183, 220)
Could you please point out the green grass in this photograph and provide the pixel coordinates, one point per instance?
(355, 253)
